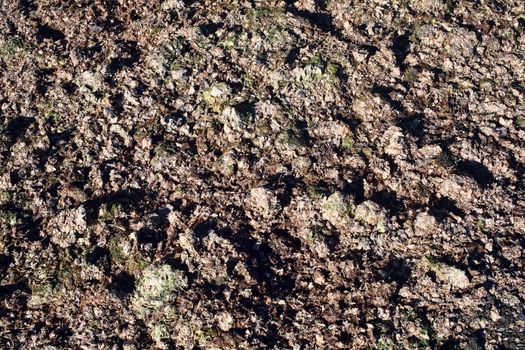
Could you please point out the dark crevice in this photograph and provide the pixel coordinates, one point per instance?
(47, 32)
(443, 207)
(401, 48)
(122, 284)
(27, 6)
(293, 55)
(7, 290)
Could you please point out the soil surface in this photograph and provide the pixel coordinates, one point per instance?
(338, 174)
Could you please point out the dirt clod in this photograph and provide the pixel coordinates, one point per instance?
(278, 174)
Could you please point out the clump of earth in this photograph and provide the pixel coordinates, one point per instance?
(262, 174)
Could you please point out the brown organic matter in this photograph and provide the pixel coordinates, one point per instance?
(246, 174)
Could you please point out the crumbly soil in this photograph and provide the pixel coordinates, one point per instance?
(237, 174)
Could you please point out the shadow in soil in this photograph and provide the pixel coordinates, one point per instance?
(443, 207)
(401, 48)
(262, 262)
(7, 290)
(47, 32)
(129, 198)
(476, 170)
(320, 19)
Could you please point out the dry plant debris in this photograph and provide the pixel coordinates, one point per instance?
(248, 174)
